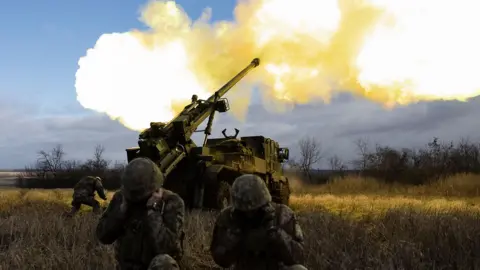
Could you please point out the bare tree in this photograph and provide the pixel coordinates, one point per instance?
(119, 166)
(99, 160)
(336, 164)
(50, 163)
(362, 152)
(292, 164)
(98, 163)
(310, 154)
(71, 165)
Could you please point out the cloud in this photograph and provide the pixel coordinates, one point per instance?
(24, 134)
(336, 125)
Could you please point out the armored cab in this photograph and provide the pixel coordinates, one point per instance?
(227, 158)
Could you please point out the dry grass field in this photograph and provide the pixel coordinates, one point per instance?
(348, 224)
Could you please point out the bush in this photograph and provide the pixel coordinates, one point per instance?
(111, 181)
(53, 171)
(434, 162)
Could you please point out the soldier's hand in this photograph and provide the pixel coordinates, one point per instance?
(155, 201)
(233, 236)
(124, 206)
(269, 223)
(235, 232)
(235, 224)
(269, 217)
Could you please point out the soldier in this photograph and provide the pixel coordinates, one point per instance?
(84, 193)
(255, 233)
(144, 220)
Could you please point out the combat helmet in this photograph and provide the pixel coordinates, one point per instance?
(249, 192)
(163, 262)
(140, 179)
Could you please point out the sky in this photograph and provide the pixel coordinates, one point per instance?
(41, 42)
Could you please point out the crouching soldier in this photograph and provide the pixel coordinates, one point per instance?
(144, 220)
(84, 193)
(255, 233)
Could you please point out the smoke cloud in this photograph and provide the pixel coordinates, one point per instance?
(389, 51)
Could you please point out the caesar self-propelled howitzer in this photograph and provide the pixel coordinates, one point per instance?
(202, 175)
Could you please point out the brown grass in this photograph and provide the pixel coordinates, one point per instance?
(461, 185)
(379, 229)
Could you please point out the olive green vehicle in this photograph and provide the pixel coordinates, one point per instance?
(202, 175)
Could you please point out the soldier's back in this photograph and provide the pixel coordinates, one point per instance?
(85, 183)
(85, 187)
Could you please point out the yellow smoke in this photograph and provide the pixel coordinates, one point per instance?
(389, 51)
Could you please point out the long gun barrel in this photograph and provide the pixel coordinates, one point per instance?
(167, 144)
(224, 89)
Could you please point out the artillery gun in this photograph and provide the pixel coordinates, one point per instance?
(202, 175)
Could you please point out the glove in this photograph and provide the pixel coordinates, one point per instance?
(269, 223)
(269, 217)
(155, 201)
(124, 207)
(234, 233)
(233, 237)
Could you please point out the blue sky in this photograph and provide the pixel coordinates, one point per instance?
(42, 40)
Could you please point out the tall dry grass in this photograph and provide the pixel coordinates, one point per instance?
(461, 185)
(390, 230)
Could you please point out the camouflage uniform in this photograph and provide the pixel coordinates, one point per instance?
(144, 220)
(84, 193)
(255, 233)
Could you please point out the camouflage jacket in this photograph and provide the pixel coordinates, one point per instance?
(253, 249)
(87, 186)
(142, 233)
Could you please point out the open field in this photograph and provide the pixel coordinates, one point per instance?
(359, 224)
(7, 178)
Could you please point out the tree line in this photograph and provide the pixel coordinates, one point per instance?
(52, 169)
(436, 160)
